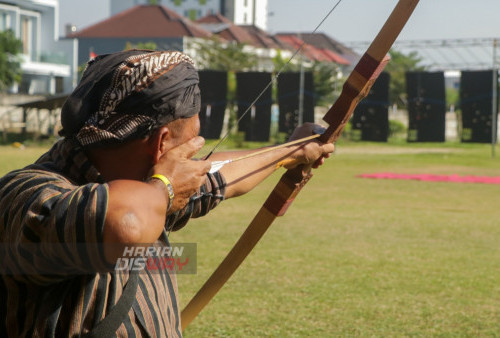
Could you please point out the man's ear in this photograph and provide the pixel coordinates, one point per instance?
(158, 143)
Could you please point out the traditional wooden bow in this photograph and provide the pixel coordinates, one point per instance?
(355, 89)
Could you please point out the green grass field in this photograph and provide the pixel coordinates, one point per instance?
(357, 257)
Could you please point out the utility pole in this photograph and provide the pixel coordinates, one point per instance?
(494, 110)
(301, 92)
(301, 89)
(254, 13)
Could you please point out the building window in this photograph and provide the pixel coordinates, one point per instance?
(26, 36)
(29, 35)
(245, 18)
(4, 21)
(59, 84)
(245, 3)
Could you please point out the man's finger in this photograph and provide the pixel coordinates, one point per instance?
(203, 165)
(328, 148)
(208, 165)
(190, 148)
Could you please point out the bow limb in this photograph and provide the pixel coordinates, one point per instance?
(357, 86)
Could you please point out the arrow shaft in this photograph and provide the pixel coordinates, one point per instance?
(217, 165)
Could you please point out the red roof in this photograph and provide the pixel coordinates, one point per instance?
(223, 27)
(324, 42)
(214, 18)
(311, 52)
(141, 21)
(291, 40)
(259, 37)
(335, 57)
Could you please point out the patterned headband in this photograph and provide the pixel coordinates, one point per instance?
(124, 95)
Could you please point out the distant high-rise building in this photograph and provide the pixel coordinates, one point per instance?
(241, 12)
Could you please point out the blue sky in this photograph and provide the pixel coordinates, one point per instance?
(353, 20)
(360, 20)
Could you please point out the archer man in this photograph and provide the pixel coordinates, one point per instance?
(122, 175)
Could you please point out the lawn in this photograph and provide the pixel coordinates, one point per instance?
(357, 257)
(13, 158)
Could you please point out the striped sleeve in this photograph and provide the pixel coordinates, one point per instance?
(53, 227)
(207, 198)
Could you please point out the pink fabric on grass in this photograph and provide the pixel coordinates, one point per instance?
(436, 178)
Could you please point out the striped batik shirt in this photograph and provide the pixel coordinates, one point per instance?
(50, 214)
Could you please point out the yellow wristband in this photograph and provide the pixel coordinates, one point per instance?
(170, 189)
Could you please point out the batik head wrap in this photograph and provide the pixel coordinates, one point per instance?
(125, 95)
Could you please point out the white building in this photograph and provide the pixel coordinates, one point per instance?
(241, 12)
(47, 61)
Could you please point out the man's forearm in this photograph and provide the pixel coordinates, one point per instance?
(242, 176)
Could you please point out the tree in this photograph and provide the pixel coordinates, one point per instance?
(10, 63)
(230, 57)
(326, 82)
(215, 55)
(150, 45)
(397, 68)
(279, 63)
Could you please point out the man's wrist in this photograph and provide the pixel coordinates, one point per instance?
(168, 186)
